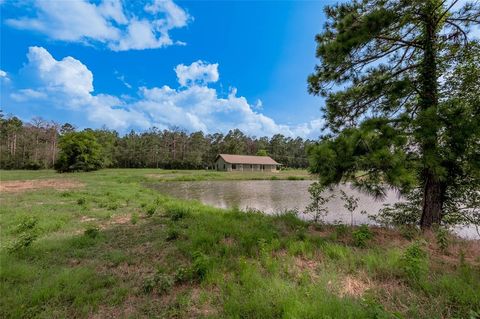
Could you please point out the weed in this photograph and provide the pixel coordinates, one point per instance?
(160, 282)
(361, 236)
(409, 232)
(134, 218)
(183, 274)
(150, 211)
(414, 262)
(92, 232)
(179, 212)
(200, 266)
(27, 233)
(341, 230)
(173, 233)
(441, 235)
(81, 201)
(112, 206)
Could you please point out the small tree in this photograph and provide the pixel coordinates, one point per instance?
(350, 202)
(262, 153)
(79, 151)
(318, 201)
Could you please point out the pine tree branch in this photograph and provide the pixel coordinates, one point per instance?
(409, 43)
(446, 11)
(465, 36)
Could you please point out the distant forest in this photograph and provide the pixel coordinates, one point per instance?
(34, 145)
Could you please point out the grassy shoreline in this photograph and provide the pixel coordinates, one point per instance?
(111, 248)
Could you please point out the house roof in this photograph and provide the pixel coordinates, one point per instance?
(247, 159)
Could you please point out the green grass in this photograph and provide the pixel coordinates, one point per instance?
(114, 248)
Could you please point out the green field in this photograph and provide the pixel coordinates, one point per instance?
(102, 245)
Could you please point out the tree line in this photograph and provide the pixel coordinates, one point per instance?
(36, 145)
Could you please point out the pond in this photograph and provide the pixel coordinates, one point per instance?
(275, 196)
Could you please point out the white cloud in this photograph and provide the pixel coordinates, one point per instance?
(68, 75)
(68, 84)
(3, 74)
(198, 72)
(106, 22)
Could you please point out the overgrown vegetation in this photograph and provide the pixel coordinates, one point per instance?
(188, 260)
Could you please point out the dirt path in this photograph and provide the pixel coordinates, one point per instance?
(23, 186)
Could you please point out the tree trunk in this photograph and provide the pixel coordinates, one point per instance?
(427, 132)
(433, 198)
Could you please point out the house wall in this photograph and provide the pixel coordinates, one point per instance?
(221, 165)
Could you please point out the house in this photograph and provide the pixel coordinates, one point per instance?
(241, 163)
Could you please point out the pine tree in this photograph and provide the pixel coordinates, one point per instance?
(381, 71)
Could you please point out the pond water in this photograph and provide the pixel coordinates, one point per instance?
(278, 196)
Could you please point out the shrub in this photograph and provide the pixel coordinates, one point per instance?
(33, 165)
(361, 236)
(23, 241)
(414, 262)
(26, 224)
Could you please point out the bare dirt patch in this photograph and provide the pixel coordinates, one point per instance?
(354, 287)
(28, 185)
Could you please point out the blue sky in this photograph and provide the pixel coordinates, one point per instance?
(197, 65)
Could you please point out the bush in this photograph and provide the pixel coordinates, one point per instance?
(33, 166)
(23, 241)
(79, 151)
(414, 262)
(361, 236)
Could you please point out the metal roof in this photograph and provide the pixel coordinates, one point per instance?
(247, 159)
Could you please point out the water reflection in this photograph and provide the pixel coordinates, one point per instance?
(276, 196)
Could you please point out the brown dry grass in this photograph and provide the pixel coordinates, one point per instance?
(354, 286)
(28, 185)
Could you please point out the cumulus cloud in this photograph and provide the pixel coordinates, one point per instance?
(106, 22)
(198, 72)
(68, 84)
